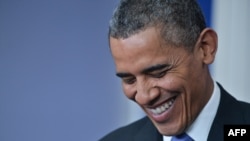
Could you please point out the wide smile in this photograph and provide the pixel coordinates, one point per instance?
(162, 112)
(162, 108)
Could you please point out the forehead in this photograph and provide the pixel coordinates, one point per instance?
(144, 41)
(141, 50)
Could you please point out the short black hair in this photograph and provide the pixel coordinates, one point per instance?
(180, 21)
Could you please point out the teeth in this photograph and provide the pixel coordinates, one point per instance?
(159, 110)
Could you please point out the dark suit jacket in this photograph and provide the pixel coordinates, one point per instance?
(230, 111)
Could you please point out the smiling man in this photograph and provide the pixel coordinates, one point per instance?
(162, 50)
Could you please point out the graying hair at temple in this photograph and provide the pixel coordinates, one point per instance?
(180, 21)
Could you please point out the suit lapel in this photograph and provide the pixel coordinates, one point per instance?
(228, 113)
(148, 133)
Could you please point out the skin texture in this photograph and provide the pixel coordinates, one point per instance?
(154, 72)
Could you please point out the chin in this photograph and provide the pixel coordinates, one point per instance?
(168, 130)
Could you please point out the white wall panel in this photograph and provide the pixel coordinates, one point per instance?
(231, 20)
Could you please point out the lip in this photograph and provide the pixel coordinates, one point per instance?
(160, 118)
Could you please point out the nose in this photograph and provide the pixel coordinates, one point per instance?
(146, 93)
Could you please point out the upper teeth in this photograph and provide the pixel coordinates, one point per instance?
(162, 108)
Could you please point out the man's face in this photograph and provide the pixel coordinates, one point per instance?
(169, 83)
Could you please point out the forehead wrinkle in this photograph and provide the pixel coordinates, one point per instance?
(141, 50)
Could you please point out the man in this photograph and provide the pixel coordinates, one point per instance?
(162, 50)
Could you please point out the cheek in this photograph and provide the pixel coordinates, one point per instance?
(171, 82)
(178, 84)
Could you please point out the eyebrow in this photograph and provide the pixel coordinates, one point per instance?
(145, 71)
(155, 68)
(123, 74)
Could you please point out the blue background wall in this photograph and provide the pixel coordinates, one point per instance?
(57, 79)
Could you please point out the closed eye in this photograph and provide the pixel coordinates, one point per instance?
(127, 78)
(158, 74)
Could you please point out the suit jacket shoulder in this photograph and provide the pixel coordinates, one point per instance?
(230, 111)
(141, 130)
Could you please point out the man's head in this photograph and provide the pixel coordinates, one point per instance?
(162, 50)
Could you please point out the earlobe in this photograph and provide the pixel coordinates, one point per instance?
(207, 44)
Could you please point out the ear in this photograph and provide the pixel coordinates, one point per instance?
(207, 45)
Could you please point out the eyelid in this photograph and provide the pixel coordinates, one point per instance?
(159, 74)
(128, 80)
